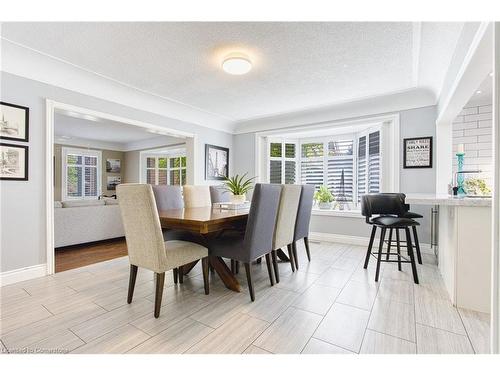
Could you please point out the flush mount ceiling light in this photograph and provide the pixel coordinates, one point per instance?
(237, 64)
(478, 92)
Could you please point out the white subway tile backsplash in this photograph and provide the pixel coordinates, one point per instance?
(465, 125)
(485, 109)
(479, 131)
(478, 146)
(485, 123)
(479, 117)
(485, 138)
(458, 133)
(484, 153)
(469, 111)
(458, 120)
(458, 140)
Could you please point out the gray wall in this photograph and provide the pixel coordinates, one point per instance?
(413, 123)
(23, 202)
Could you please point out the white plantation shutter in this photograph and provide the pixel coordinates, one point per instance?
(361, 167)
(282, 162)
(81, 178)
(166, 170)
(275, 172)
(374, 162)
(312, 164)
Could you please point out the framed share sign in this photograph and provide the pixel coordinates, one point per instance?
(417, 152)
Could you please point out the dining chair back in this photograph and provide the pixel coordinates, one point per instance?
(303, 219)
(142, 226)
(168, 197)
(196, 196)
(219, 194)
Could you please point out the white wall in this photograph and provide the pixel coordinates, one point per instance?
(23, 202)
(413, 123)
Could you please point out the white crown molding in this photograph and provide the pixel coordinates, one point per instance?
(403, 100)
(26, 62)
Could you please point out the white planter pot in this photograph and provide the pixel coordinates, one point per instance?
(238, 199)
(325, 205)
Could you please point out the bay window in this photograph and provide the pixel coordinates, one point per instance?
(348, 164)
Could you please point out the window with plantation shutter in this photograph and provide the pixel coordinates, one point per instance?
(361, 167)
(81, 174)
(374, 162)
(166, 170)
(282, 162)
(340, 168)
(312, 164)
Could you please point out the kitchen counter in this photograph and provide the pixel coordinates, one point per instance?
(446, 200)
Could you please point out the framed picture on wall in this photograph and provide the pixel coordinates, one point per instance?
(417, 152)
(216, 162)
(14, 122)
(112, 181)
(13, 162)
(113, 165)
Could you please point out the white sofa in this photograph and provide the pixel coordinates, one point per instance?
(82, 221)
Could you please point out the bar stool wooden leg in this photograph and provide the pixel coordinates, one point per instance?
(370, 245)
(398, 246)
(380, 248)
(412, 257)
(417, 245)
(176, 275)
(389, 244)
(180, 273)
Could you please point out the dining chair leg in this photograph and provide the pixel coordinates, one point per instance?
(295, 258)
(398, 246)
(306, 243)
(389, 244)
(417, 245)
(275, 265)
(237, 266)
(269, 268)
(160, 281)
(204, 266)
(248, 269)
(233, 266)
(290, 256)
(176, 275)
(380, 248)
(370, 245)
(181, 275)
(412, 257)
(259, 260)
(131, 283)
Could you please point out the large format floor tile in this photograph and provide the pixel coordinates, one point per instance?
(332, 305)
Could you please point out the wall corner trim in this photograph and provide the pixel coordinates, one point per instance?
(22, 274)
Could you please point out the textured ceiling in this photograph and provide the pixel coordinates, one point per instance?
(296, 65)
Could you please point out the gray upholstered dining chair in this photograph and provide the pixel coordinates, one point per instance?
(257, 240)
(196, 196)
(285, 224)
(303, 220)
(145, 244)
(218, 193)
(168, 197)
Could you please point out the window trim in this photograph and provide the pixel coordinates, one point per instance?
(168, 156)
(65, 151)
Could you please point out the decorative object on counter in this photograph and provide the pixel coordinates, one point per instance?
(476, 187)
(417, 152)
(13, 162)
(113, 165)
(324, 198)
(341, 197)
(238, 186)
(14, 122)
(216, 162)
(460, 167)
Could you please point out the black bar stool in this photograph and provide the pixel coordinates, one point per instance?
(391, 209)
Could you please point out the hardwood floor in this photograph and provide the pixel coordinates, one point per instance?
(331, 305)
(71, 257)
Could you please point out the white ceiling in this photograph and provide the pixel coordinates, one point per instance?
(73, 127)
(297, 65)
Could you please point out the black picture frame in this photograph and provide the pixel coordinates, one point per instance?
(406, 141)
(26, 162)
(208, 176)
(26, 122)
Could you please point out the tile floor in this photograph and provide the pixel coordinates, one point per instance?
(331, 305)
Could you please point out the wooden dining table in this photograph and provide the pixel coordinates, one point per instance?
(209, 222)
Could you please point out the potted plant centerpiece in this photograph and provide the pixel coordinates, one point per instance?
(238, 186)
(324, 198)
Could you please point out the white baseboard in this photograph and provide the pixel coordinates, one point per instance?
(355, 240)
(22, 274)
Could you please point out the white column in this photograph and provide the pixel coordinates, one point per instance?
(444, 156)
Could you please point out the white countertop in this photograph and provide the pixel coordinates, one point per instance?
(446, 200)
